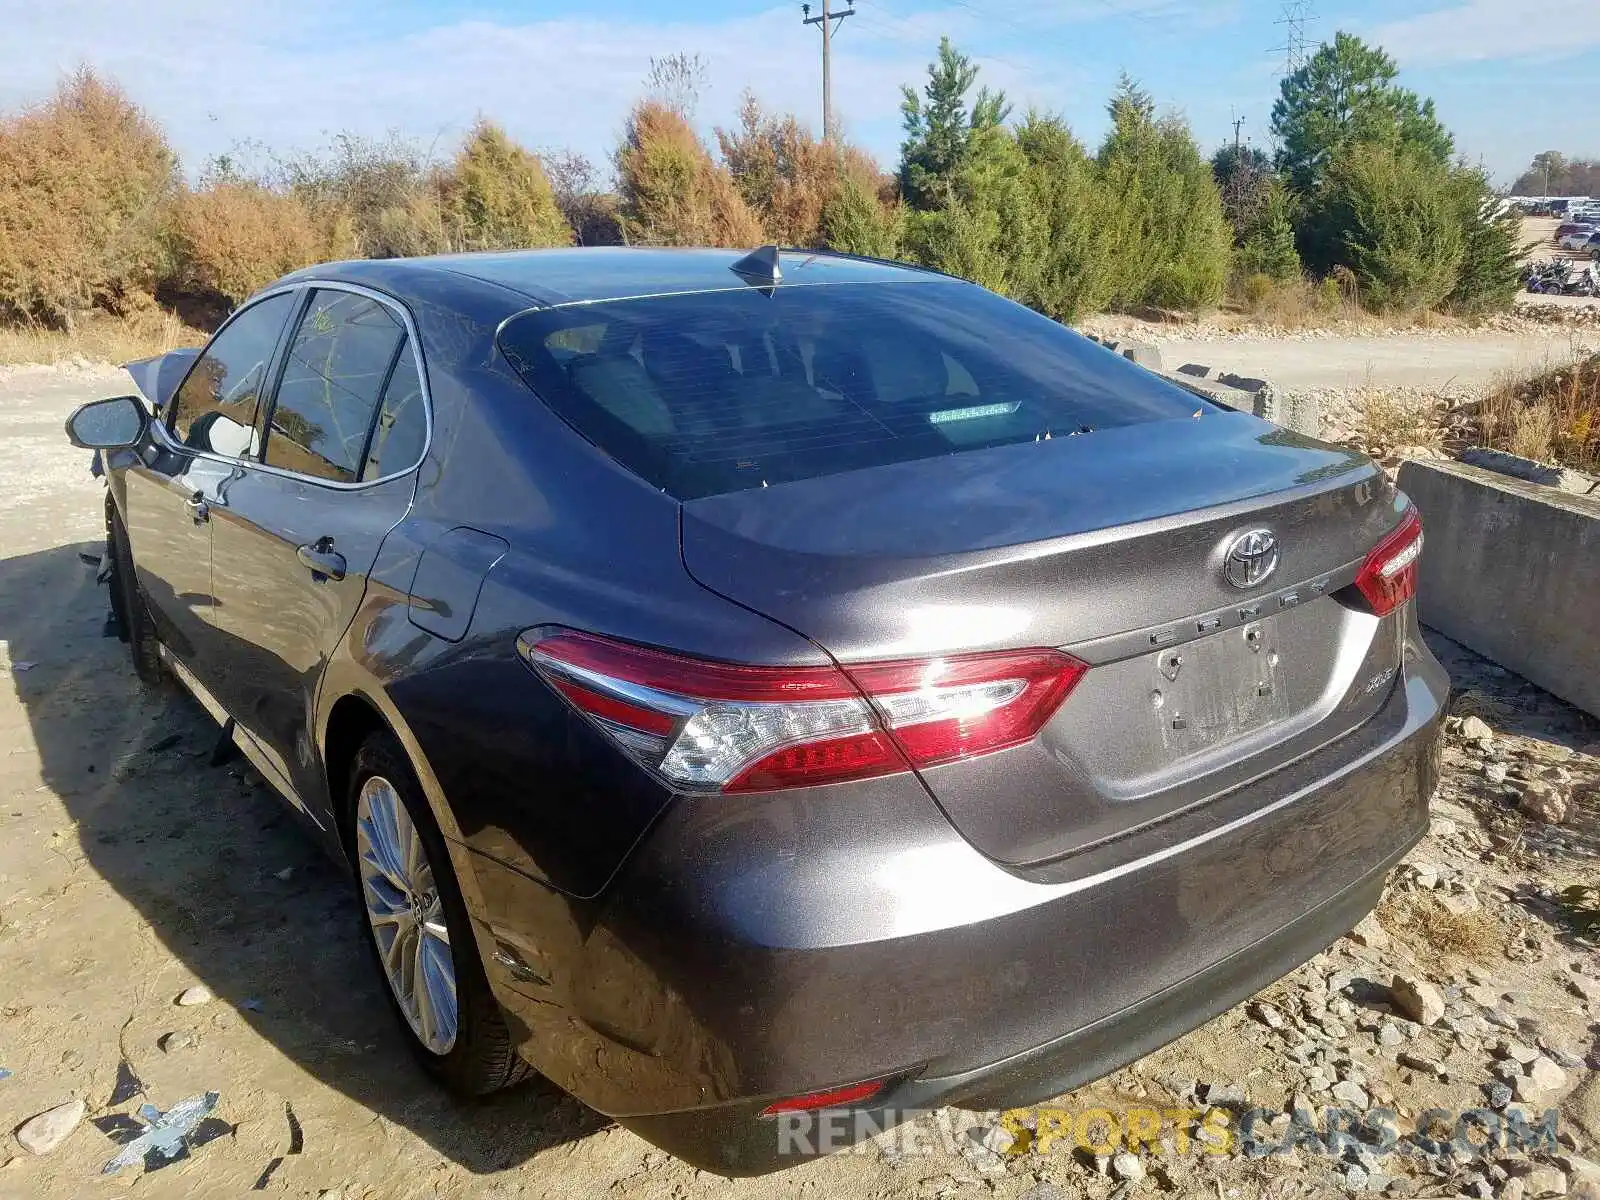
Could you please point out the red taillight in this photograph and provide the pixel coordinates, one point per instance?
(948, 708)
(837, 1098)
(1389, 576)
(748, 729)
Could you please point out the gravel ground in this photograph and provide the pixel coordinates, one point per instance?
(130, 872)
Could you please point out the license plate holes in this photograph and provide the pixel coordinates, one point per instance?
(1219, 687)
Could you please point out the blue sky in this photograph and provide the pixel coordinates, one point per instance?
(1510, 77)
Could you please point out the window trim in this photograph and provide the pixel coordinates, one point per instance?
(169, 418)
(275, 371)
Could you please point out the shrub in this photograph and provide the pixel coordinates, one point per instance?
(85, 182)
(992, 231)
(1075, 274)
(784, 174)
(1555, 415)
(1266, 242)
(592, 214)
(854, 221)
(1491, 258)
(672, 193)
(1393, 219)
(1256, 288)
(496, 196)
(231, 239)
(381, 197)
(1171, 243)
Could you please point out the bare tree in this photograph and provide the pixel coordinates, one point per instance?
(677, 81)
(590, 210)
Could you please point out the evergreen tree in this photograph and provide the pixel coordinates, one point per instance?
(1394, 219)
(1346, 93)
(1491, 260)
(940, 132)
(1266, 239)
(1171, 242)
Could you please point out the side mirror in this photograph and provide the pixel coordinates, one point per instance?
(108, 424)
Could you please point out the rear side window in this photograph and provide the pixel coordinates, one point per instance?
(334, 376)
(402, 427)
(716, 392)
(214, 408)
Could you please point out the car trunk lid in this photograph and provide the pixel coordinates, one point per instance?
(1109, 546)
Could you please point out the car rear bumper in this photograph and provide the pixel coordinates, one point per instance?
(764, 947)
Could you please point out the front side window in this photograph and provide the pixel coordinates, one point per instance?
(215, 406)
(337, 365)
(719, 391)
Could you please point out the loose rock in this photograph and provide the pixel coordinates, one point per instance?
(198, 994)
(1516, 1051)
(1223, 1095)
(1127, 1167)
(1544, 803)
(1545, 1181)
(43, 1133)
(1351, 1095)
(1417, 999)
(1267, 1015)
(180, 1039)
(1475, 729)
(1369, 933)
(1543, 1077)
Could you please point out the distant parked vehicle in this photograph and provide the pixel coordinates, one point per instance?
(1547, 277)
(1578, 239)
(1567, 228)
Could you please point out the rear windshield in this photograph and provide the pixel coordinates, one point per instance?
(719, 391)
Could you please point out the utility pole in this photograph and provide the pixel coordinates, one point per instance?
(826, 22)
(1237, 122)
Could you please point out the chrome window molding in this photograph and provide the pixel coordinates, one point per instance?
(162, 434)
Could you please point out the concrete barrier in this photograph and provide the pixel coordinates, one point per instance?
(1511, 569)
(1533, 471)
(1301, 413)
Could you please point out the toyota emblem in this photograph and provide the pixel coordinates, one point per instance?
(1250, 558)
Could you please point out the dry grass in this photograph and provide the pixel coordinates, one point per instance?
(1329, 304)
(1552, 417)
(1390, 425)
(101, 338)
(1432, 931)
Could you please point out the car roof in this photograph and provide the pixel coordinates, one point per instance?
(592, 273)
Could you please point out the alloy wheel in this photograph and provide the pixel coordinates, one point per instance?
(406, 914)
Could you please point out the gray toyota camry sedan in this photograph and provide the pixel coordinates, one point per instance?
(771, 695)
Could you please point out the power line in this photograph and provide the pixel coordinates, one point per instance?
(828, 23)
(902, 28)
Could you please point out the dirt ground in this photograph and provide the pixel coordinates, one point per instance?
(130, 870)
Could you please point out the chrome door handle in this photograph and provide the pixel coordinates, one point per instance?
(199, 511)
(321, 559)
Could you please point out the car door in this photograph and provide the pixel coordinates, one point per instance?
(344, 432)
(191, 462)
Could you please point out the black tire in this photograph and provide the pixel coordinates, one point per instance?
(483, 1058)
(138, 628)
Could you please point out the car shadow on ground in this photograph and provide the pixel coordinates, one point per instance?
(220, 871)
